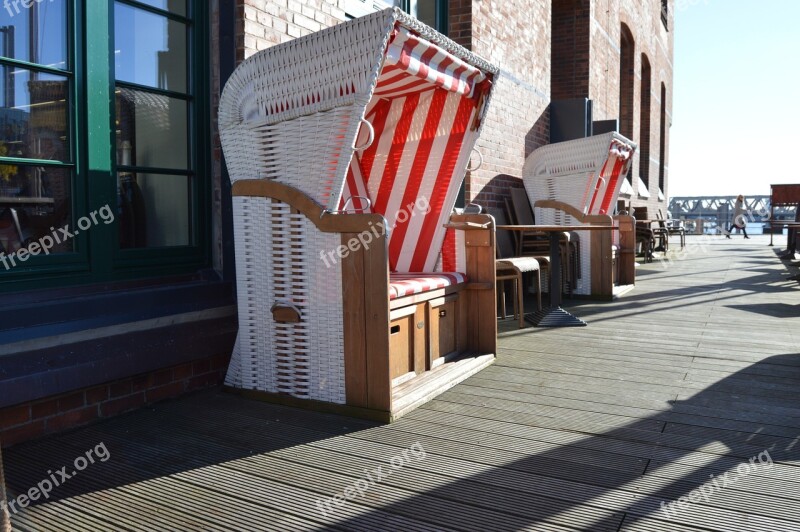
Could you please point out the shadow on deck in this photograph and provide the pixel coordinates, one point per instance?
(684, 390)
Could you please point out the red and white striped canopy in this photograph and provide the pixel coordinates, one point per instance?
(609, 181)
(413, 64)
(424, 113)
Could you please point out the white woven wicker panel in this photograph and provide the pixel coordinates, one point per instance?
(249, 368)
(278, 260)
(281, 151)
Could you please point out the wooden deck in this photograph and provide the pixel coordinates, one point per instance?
(689, 376)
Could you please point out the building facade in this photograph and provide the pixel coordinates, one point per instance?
(108, 130)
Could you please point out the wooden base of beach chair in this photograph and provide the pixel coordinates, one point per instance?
(395, 353)
(405, 397)
(611, 265)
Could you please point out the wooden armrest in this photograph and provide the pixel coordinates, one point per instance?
(466, 226)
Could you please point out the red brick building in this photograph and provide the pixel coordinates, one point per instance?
(108, 323)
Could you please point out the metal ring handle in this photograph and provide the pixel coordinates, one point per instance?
(350, 200)
(344, 207)
(370, 138)
(473, 208)
(480, 161)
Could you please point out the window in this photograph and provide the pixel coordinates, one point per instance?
(37, 133)
(626, 80)
(644, 124)
(431, 12)
(662, 156)
(665, 13)
(127, 181)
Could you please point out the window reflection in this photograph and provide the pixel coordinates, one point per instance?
(149, 49)
(155, 128)
(34, 121)
(33, 202)
(425, 11)
(154, 210)
(36, 34)
(174, 6)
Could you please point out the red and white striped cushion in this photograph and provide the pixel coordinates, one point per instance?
(406, 284)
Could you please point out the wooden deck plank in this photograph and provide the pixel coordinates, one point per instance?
(690, 375)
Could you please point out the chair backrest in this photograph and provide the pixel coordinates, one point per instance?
(662, 223)
(522, 207)
(586, 173)
(381, 107)
(505, 243)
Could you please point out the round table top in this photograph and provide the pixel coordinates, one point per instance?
(556, 228)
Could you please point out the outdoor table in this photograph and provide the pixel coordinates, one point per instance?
(554, 315)
(782, 224)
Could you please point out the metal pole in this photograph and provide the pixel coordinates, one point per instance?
(771, 218)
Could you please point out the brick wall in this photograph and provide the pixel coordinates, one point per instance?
(264, 23)
(55, 414)
(460, 22)
(515, 35)
(653, 41)
(570, 49)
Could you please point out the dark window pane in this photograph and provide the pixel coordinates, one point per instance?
(151, 130)
(36, 34)
(35, 202)
(174, 6)
(33, 115)
(425, 11)
(154, 210)
(149, 49)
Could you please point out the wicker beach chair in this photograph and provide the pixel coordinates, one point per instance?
(347, 149)
(585, 176)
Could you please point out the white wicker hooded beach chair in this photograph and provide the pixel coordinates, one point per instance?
(347, 149)
(585, 176)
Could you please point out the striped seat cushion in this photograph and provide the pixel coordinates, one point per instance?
(523, 264)
(406, 284)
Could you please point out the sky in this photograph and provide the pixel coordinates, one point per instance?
(736, 108)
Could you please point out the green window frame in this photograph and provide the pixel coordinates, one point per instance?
(97, 255)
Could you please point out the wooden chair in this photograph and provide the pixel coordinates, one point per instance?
(647, 239)
(537, 244)
(652, 238)
(511, 268)
(673, 227)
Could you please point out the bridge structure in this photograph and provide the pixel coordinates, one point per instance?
(710, 213)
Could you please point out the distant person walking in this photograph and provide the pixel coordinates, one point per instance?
(739, 217)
